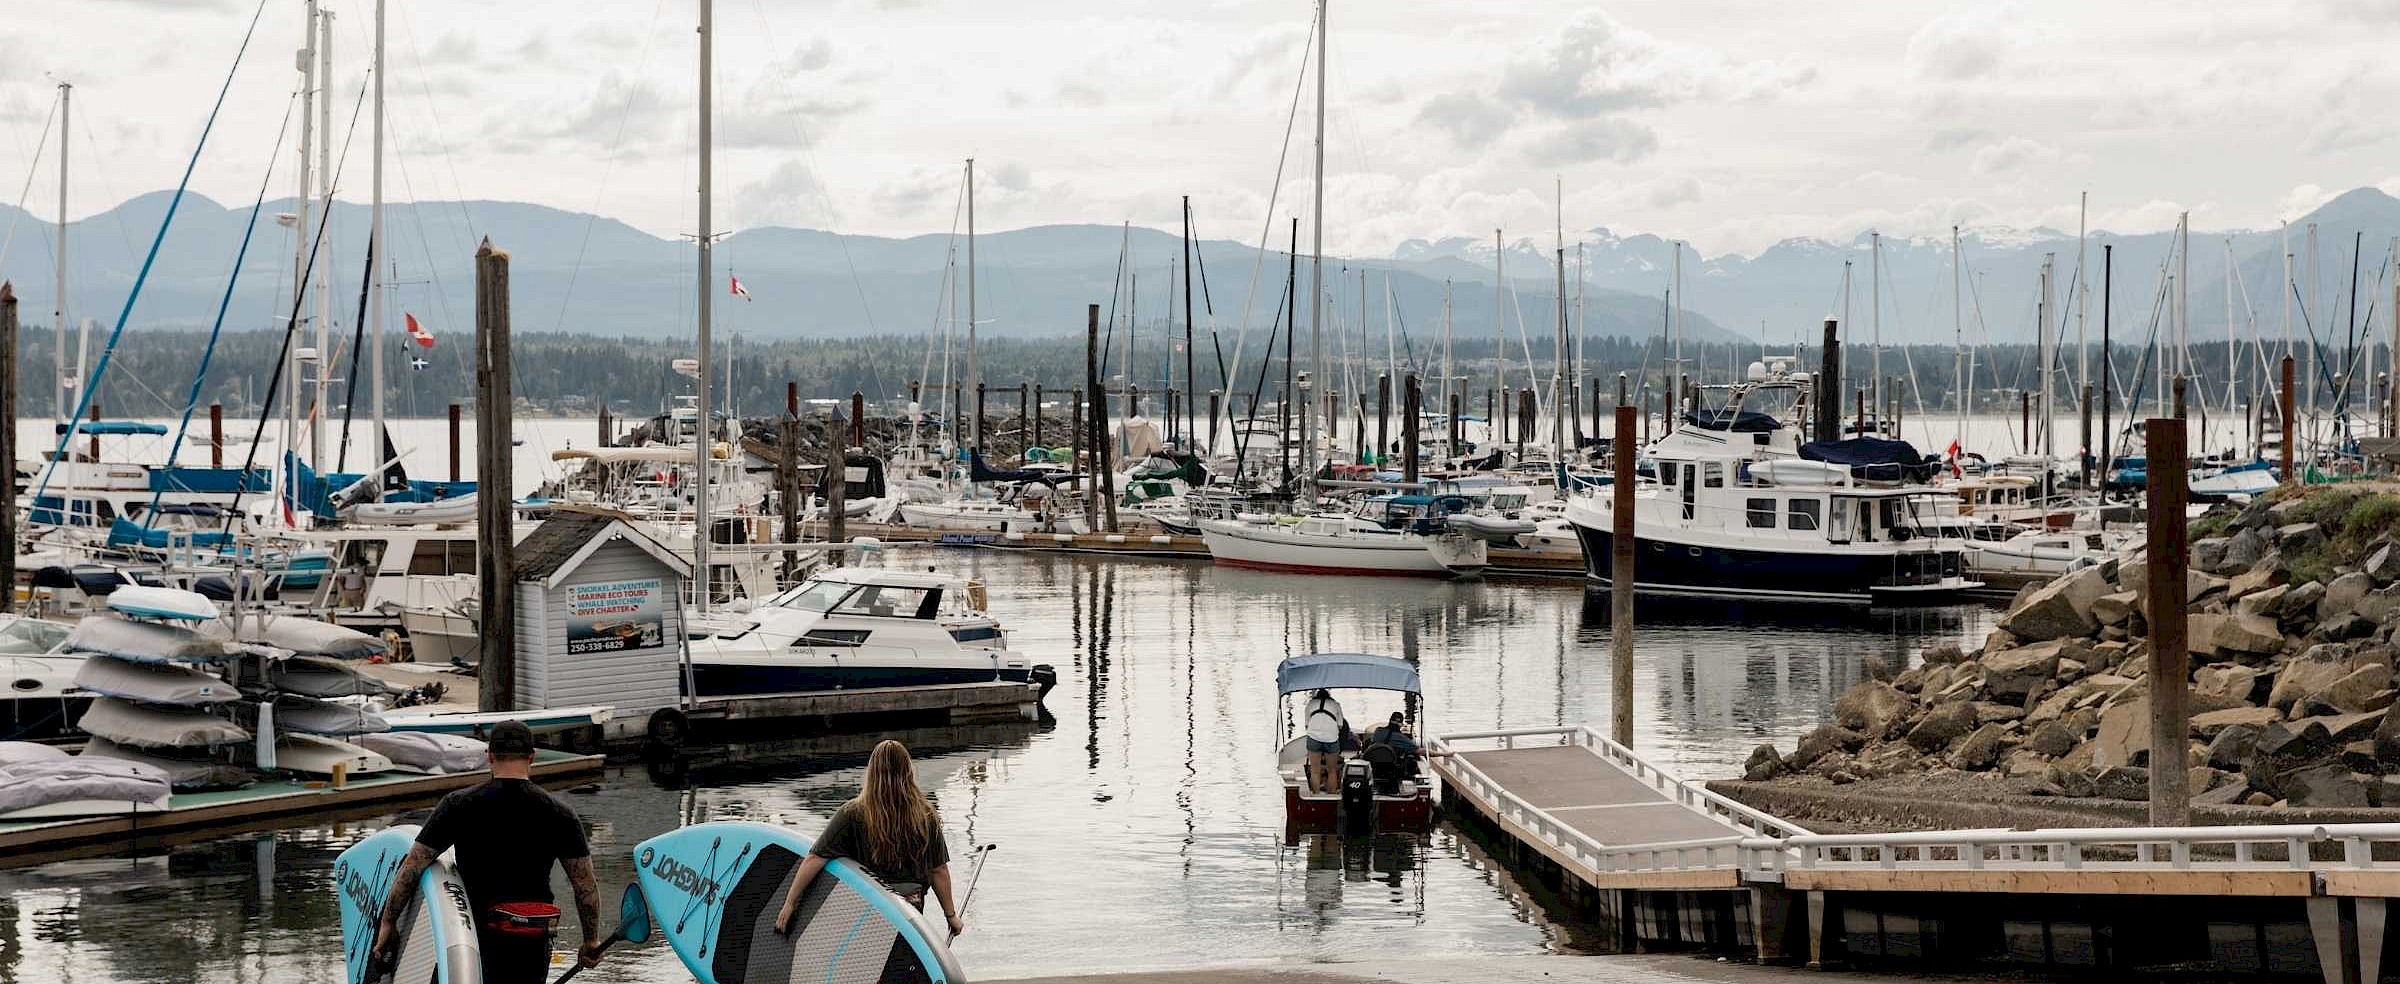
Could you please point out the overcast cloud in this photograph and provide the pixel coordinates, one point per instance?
(1733, 123)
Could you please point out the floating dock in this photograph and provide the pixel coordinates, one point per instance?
(948, 703)
(1661, 863)
(265, 803)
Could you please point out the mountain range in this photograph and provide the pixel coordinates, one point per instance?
(579, 272)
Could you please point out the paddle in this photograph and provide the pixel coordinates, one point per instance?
(633, 925)
(982, 854)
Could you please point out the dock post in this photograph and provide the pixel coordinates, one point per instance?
(1410, 400)
(1458, 437)
(2025, 416)
(496, 569)
(2083, 455)
(1823, 920)
(605, 436)
(1383, 417)
(2286, 410)
(95, 431)
(836, 481)
(1037, 417)
(1095, 434)
(1775, 923)
(454, 437)
(1024, 405)
(1525, 417)
(8, 443)
(978, 432)
(2179, 387)
(858, 418)
(1075, 450)
(1620, 584)
(2170, 670)
(216, 435)
(787, 478)
(1829, 385)
(1216, 403)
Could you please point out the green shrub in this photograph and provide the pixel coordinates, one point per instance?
(2369, 516)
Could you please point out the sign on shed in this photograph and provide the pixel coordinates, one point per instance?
(599, 619)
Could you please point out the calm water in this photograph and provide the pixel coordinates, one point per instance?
(1140, 828)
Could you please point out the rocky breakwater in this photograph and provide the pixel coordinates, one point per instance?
(2292, 608)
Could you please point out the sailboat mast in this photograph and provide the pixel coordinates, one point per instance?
(1958, 340)
(1191, 356)
(1316, 260)
(1875, 316)
(2083, 367)
(378, 254)
(2046, 353)
(706, 437)
(1500, 313)
(317, 421)
(1448, 379)
(303, 229)
(66, 94)
(974, 369)
(1558, 362)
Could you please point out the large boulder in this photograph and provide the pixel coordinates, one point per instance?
(2301, 600)
(2367, 688)
(2059, 609)
(1818, 743)
(2267, 601)
(1873, 709)
(2124, 737)
(1892, 758)
(2242, 552)
(1763, 764)
(2121, 782)
(2232, 636)
(2303, 678)
(2225, 681)
(1942, 725)
(2341, 729)
(1980, 749)
(2134, 575)
(2114, 609)
(2326, 784)
(2234, 747)
(2343, 594)
(2021, 671)
(2300, 538)
(2384, 564)
(2379, 604)
(2050, 738)
(2215, 722)
(2209, 554)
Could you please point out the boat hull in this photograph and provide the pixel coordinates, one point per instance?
(739, 679)
(1261, 547)
(1714, 571)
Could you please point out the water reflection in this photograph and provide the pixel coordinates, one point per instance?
(1146, 810)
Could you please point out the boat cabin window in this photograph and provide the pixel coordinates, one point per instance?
(1889, 517)
(976, 633)
(1866, 521)
(886, 601)
(1713, 476)
(443, 557)
(1761, 513)
(1666, 475)
(815, 596)
(1837, 521)
(1804, 513)
(31, 637)
(833, 637)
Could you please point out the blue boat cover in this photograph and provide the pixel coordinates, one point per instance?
(1352, 671)
(112, 428)
(1728, 419)
(979, 472)
(1874, 458)
(212, 480)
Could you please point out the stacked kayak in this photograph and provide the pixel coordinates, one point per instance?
(163, 696)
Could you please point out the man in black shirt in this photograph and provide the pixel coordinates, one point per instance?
(507, 832)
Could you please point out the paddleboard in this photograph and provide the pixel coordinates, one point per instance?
(714, 890)
(437, 934)
(144, 601)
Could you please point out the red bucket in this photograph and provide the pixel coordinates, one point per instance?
(524, 918)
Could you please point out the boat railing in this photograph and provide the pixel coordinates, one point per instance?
(1683, 793)
(1576, 846)
(2257, 847)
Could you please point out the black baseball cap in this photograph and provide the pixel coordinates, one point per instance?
(511, 738)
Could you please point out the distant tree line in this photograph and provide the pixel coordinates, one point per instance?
(151, 372)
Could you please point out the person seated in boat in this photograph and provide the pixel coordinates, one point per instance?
(1327, 732)
(1394, 733)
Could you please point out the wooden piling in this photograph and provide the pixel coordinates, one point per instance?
(1620, 582)
(2083, 453)
(607, 435)
(95, 416)
(2170, 663)
(496, 568)
(8, 443)
(1036, 439)
(216, 435)
(1024, 405)
(1829, 385)
(2180, 385)
(835, 480)
(1094, 437)
(2285, 409)
(1411, 400)
(454, 437)
(1457, 434)
(978, 432)
(2025, 417)
(858, 419)
(1525, 419)
(787, 479)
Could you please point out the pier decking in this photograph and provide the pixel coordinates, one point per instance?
(1668, 861)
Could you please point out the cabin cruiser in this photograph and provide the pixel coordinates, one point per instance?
(2048, 552)
(855, 627)
(1342, 543)
(1380, 787)
(42, 696)
(1021, 507)
(1741, 511)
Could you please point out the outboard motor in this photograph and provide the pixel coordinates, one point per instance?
(1358, 796)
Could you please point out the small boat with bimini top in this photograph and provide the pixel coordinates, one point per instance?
(1379, 785)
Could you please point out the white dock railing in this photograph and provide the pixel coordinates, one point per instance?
(1763, 847)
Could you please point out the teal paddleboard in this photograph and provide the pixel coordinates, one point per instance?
(437, 934)
(714, 890)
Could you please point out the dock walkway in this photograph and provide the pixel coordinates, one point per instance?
(1667, 859)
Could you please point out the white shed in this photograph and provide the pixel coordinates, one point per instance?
(599, 619)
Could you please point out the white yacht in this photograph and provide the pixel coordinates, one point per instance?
(42, 696)
(1739, 512)
(852, 627)
(1339, 543)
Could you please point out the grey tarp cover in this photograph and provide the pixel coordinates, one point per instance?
(21, 752)
(28, 784)
(304, 635)
(1356, 671)
(319, 676)
(321, 717)
(143, 642)
(155, 683)
(145, 726)
(425, 750)
(197, 772)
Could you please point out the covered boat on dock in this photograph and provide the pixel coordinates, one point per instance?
(1380, 787)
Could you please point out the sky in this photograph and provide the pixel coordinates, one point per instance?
(1730, 123)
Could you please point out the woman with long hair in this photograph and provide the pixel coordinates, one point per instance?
(891, 831)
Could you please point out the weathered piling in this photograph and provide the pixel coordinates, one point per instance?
(496, 568)
(1456, 434)
(607, 435)
(835, 480)
(2170, 669)
(978, 432)
(1095, 435)
(216, 435)
(8, 442)
(95, 418)
(1620, 582)
(787, 478)
(1411, 402)
(1037, 416)
(1829, 384)
(1525, 419)
(2285, 408)
(454, 437)
(2083, 454)
(1383, 417)
(858, 418)
(1024, 404)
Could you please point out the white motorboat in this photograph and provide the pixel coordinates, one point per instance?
(852, 627)
(444, 634)
(2048, 551)
(1338, 543)
(42, 696)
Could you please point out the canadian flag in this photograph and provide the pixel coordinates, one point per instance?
(738, 290)
(417, 331)
(1957, 469)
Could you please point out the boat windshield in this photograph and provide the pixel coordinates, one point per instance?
(815, 596)
(886, 601)
(30, 637)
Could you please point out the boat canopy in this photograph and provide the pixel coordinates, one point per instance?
(1874, 458)
(1732, 419)
(1349, 671)
(114, 428)
(618, 456)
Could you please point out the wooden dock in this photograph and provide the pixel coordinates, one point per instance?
(266, 804)
(952, 703)
(1666, 864)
